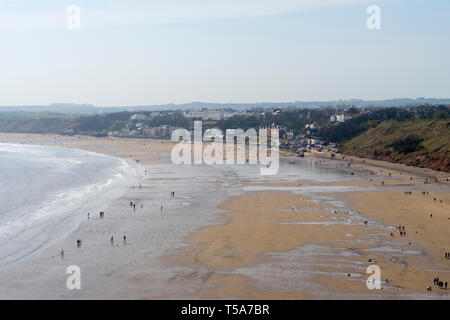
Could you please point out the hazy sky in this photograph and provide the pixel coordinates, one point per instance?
(137, 52)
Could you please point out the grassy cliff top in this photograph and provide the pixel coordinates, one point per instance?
(422, 143)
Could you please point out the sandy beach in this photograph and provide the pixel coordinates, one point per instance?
(309, 232)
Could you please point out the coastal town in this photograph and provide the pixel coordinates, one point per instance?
(298, 141)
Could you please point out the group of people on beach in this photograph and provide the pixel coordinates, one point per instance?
(124, 240)
(133, 205)
(437, 282)
(423, 193)
(402, 231)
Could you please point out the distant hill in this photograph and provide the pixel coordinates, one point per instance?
(62, 108)
(85, 109)
(46, 123)
(420, 143)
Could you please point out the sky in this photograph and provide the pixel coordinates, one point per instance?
(137, 52)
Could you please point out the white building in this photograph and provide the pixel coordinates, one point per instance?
(205, 114)
(276, 111)
(342, 118)
(339, 118)
(139, 117)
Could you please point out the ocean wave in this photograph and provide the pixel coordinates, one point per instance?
(49, 192)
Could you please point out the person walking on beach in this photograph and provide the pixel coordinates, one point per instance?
(112, 240)
(124, 240)
(62, 253)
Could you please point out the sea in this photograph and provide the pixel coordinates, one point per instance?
(46, 192)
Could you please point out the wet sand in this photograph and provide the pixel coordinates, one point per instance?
(289, 243)
(231, 234)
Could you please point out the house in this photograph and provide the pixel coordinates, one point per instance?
(139, 117)
(211, 114)
(205, 114)
(339, 118)
(276, 111)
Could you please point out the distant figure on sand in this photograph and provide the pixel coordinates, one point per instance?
(112, 240)
(124, 240)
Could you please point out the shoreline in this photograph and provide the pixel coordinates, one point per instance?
(50, 217)
(381, 166)
(48, 139)
(150, 232)
(216, 261)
